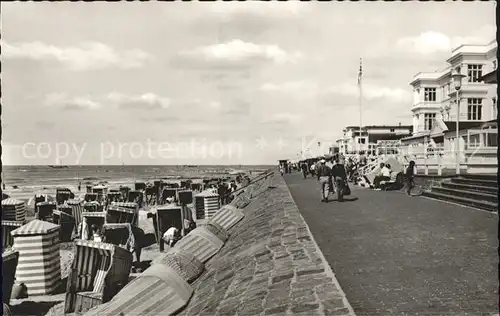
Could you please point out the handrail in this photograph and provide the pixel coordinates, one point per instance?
(263, 176)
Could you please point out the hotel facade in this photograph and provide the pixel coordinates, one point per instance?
(435, 110)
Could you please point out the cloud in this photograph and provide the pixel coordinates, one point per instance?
(249, 17)
(65, 102)
(86, 56)
(114, 99)
(235, 54)
(431, 42)
(144, 101)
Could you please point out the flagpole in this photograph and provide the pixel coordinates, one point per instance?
(360, 83)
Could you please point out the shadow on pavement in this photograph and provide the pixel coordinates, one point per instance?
(351, 199)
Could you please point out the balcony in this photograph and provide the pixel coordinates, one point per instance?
(427, 105)
(471, 88)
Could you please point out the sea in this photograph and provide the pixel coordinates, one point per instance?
(23, 182)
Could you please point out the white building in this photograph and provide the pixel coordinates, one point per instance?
(353, 142)
(435, 110)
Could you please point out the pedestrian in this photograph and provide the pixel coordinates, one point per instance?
(409, 175)
(303, 166)
(312, 169)
(282, 170)
(324, 175)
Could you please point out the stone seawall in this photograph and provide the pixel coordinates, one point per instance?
(270, 265)
(264, 261)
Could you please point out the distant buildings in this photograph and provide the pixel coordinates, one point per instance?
(367, 141)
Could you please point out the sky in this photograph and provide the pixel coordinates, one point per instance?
(214, 83)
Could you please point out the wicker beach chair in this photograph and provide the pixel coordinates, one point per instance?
(99, 271)
(10, 260)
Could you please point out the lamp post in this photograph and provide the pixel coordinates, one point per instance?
(457, 82)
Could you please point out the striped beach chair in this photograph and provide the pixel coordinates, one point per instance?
(13, 210)
(99, 271)
(206, 204)
(76, 210)
(10, 260)
(7, 228)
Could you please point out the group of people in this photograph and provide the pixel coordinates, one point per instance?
(330, 172)
(385, 174)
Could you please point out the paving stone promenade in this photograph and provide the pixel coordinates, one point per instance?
(399, 255)
(269, 266)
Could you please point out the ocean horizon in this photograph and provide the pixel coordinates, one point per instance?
(23, 181)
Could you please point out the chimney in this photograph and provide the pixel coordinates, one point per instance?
(399, 123)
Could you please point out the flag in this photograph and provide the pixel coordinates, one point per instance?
(360, 74)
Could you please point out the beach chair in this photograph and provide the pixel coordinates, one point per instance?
(10, 259)
(95, 218)
(168, 193)
(44, 211)
(90, 197)
(65, 219)
(206, 204)
(99, 271)
(139, 186)
(164, 217)
(92, 206)
(76, 210)
(118, 214)
(13, 210)
(124, 235)
(136, 196)
(113, 197)
(151, 195)
(132, 206)
(124, 191)
(63, 194)
(7, 227)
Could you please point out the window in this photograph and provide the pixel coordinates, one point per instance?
(361, 140)
(474, 107)
(392, 130)
(494, 64)
(474, 72)
(428, 120)
(491, 139)
(430, 94)
(474, 141)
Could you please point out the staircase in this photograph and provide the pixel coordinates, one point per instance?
(479, 191)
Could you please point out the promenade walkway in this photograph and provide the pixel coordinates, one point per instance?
(399, 255)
